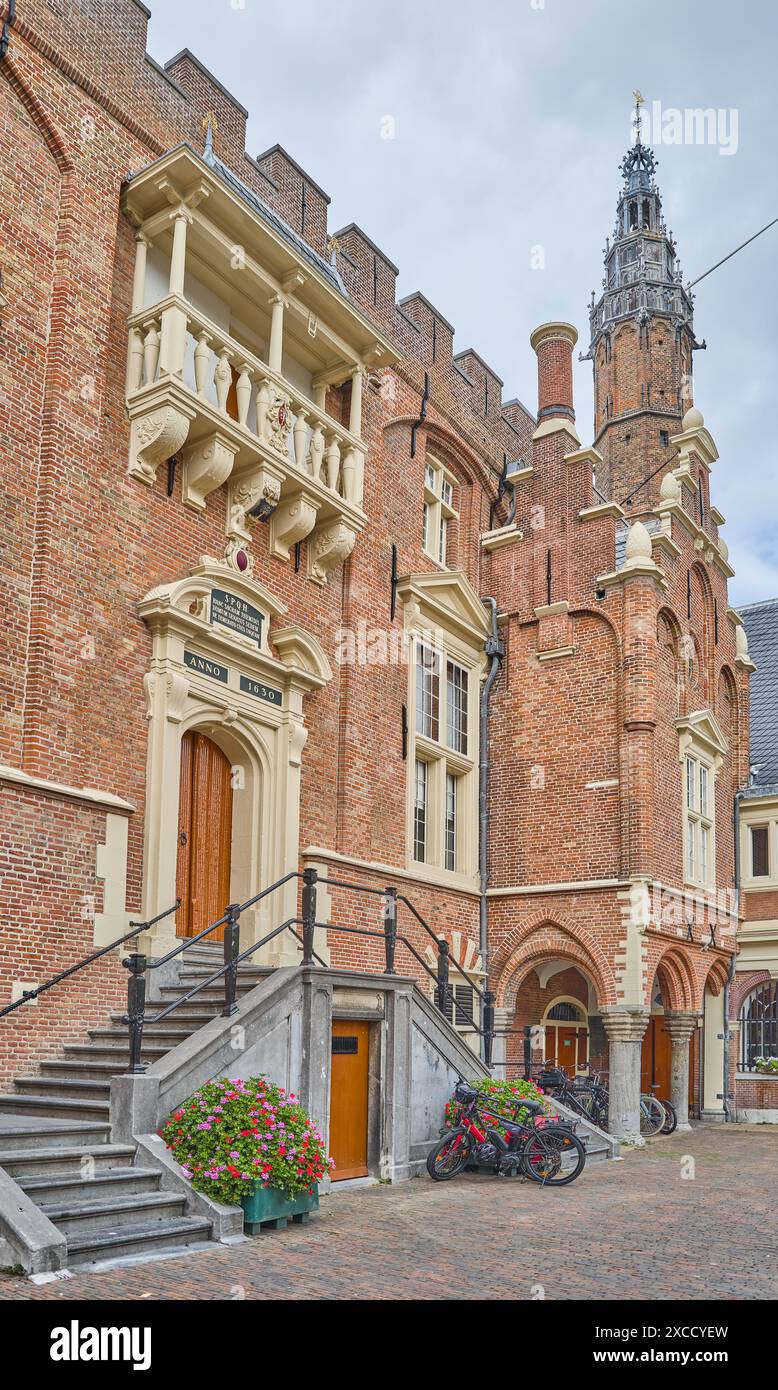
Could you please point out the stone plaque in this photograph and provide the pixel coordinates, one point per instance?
(260, 690)
(234, 612)
(206, 667)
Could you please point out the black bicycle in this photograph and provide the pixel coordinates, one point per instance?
(547, 1151)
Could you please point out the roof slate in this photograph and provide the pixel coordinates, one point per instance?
(761, 624)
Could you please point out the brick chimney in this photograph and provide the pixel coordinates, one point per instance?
(554, 343)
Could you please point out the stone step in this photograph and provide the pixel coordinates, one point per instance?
(88, 1069)
(54, 1108)
(153, 1239)
(74, 1136)
(119, 1052)
(162, 1034)
(41, 1160)
(213, 994)
(52, 1189)
(83, 1217)
(53, 1087)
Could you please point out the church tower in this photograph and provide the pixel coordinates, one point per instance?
(641, 341)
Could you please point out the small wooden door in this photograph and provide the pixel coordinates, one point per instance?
(566, 1044)
(204, 835)
(348, 1098)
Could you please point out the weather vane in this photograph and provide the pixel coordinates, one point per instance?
(639, 101)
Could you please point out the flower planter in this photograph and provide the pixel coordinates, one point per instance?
(268, 1208)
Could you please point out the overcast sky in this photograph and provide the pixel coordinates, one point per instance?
(510, 119)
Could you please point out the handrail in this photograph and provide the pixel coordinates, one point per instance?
(137, 928)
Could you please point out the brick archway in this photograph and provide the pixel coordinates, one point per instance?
(542, 939)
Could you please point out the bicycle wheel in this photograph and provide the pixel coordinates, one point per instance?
(671, 1121)
(652, 1116)
(449, 1156)
(554, 1156)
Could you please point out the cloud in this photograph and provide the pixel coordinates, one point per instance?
(512, 117)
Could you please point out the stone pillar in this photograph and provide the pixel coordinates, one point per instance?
(625, 1029)
(680, 1026)
(174, 321)
(355, 416)
(181, 219)
(139, 277)
(503, 1018)
(276, 347)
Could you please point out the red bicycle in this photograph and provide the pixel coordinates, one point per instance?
(545, 1150)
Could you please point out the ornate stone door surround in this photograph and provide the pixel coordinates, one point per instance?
(213, 668)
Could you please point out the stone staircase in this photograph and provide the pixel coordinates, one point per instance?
(55, 1135)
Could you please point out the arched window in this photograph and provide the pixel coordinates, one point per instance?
(759, 1025)
(565, 1013)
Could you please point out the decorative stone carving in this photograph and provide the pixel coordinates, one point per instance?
(262, 483)
(330, 545)
(154, 438)
(279, 420)
(292, 521)
(207, 465)
(238, 556)
(298, 735)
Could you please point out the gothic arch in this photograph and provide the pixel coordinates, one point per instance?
(676, 978)
(543, 938)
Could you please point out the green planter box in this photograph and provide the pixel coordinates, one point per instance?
(269, 1208)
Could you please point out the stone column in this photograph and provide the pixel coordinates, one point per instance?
(174, 322)
(625, 1029)
(680, 1026)
(355, 415)
(503, 1018)
(276, 347)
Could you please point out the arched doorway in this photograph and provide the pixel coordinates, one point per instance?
(566, 1035)
(204, 860)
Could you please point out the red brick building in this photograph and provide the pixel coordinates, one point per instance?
(254, 507)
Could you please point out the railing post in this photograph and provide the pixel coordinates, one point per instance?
(136, 1005)
(390, 928)
(527, 1050)
(442, 990)
(488, 1025)
(231, 953)
(310, 878)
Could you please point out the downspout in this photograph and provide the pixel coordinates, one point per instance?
(5, 34)
(495, 650)
(729, 1113)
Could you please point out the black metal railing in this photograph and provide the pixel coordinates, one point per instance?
(138, 964)
(136, 928)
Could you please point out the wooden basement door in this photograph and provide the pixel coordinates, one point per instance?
(204, 835)
(348, 1098)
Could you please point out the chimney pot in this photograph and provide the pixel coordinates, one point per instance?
(553, 343)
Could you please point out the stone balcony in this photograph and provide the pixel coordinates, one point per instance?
(220, 400)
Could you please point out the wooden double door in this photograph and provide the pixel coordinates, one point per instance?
(656, 1059)
(204, 835)
(349, 1083)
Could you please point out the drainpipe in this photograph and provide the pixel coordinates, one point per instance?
(495, 649)
(5, 34)
(729, 1113)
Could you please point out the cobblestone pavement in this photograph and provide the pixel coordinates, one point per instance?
(633, 1229)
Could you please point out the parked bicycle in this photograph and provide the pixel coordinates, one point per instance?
(588, 1096)
(545, 1150)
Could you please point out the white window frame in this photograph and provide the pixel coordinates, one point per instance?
(439, 511)
(699, 820)
(754, 815)
(702, 748)
(443, 761)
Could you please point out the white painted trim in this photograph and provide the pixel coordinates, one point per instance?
(444, 880)
(529, 888)
(91, 794)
